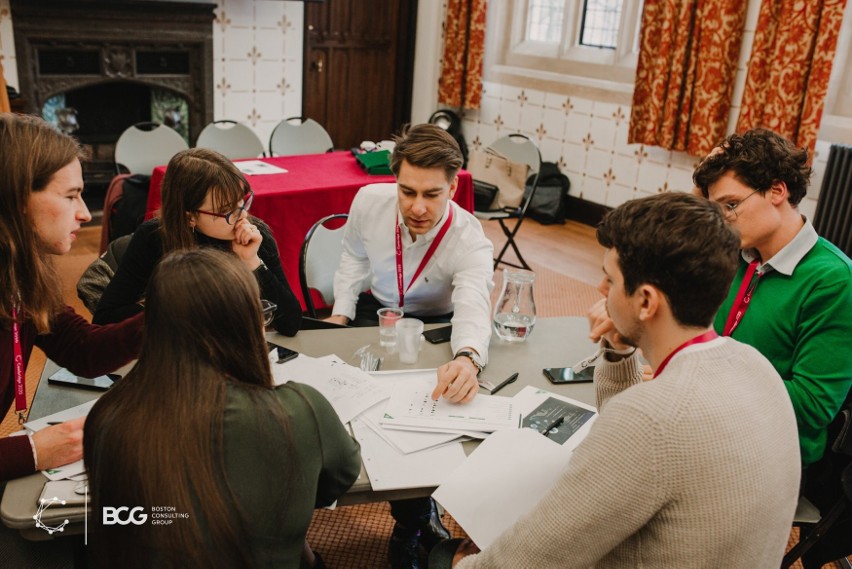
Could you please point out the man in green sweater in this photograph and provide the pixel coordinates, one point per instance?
(792, 295)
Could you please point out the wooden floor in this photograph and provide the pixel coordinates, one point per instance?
(570, 249)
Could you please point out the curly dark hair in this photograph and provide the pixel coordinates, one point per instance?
(758, 159)
(680, 244)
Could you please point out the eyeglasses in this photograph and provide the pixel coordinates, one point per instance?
(730, 208)
(234, 215)
(268, 308)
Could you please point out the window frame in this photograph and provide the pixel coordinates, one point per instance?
(566, 67)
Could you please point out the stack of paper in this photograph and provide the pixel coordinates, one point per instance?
(511, 471)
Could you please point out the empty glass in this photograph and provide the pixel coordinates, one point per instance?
(387, 332)
(514, 313)
(268, 307)
(409, 339)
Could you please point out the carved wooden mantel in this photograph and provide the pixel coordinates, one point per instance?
(62, 45)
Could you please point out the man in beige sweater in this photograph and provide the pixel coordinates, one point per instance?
(698, 467)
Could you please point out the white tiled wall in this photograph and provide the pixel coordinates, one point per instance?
(257, 55)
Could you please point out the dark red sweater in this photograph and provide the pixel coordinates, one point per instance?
(85, 349)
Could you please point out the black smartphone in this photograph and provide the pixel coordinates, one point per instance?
(439, 335)
(65, 377)
(284, 354)
(567, 375)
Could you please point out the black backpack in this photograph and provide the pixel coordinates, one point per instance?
(548, 203)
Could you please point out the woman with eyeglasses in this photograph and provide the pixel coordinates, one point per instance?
(228, 468)
(206, 200)
(41, 209)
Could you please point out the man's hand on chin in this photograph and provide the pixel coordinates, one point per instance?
(457, 381)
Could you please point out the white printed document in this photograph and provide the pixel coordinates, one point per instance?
(389, 469)
(349, 390)
(255, 167)
(512, 470)
(411, 406)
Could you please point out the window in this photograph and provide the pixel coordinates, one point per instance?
(600, 23)
(562, 45)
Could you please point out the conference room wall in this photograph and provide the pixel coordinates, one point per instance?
(257, 47)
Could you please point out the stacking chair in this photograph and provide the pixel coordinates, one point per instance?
(319, 260)
(231, 139)
(298, 135)
(144, 146)
(519, 148)
(814, 526)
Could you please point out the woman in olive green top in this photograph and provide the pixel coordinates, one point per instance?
(226, 467)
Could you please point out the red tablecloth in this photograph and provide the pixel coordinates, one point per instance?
(315, 185)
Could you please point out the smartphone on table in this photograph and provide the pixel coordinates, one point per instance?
(283, 354)
(439, 335)
(559, 375)
(65, 377)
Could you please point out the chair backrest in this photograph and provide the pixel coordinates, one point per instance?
(521, 148)
(298, 135)
(319, 260)
(140, 151)
(231, 139)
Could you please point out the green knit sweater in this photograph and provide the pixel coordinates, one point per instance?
(803, 324)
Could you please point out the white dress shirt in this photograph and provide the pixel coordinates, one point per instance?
(457, 279)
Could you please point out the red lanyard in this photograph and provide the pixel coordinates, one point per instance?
(705, 337)
(742, 300)
(20, 383)
(429, 253)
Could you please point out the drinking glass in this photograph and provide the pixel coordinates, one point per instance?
(409, 339)
(387, 331)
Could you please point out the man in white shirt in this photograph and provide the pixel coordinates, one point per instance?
(411, 246)
(454, 282)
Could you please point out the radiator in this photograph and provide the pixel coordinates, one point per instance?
(833, 218)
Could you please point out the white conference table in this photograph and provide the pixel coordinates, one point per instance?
(555, 342)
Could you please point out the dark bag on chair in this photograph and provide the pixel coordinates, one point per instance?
(548, 203)
(483, 195)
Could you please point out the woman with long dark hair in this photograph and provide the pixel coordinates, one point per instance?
(41, 209)
(206, 200)
(197, 435)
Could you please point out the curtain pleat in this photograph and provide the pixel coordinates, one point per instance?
(790, 66)
(4, 96)
(688, 57)
(460, 84)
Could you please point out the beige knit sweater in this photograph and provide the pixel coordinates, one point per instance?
(698, 468)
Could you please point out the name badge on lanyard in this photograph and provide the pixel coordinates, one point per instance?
(18, 364)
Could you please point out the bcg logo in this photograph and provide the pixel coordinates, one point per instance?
(124, 515)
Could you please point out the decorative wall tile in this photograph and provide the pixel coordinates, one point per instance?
(577, 126)
(680, 179)
(617, 195)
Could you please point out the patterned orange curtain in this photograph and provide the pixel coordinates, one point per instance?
(4, 97)
(460, 84)
(688, 56)
(790, 67)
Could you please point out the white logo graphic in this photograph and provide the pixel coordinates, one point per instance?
(113, 516)
(44, 504)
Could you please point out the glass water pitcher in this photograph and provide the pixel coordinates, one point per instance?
(514, 313)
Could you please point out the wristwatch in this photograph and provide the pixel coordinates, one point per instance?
(473, 357)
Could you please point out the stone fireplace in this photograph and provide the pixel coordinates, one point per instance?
(116, 63)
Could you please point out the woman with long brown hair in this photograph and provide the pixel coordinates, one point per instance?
(206, 200)
(197, 435)
(41, 209)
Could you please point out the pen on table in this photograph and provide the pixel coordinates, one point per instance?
(504, 383)
(553, 425)
(54, 422)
